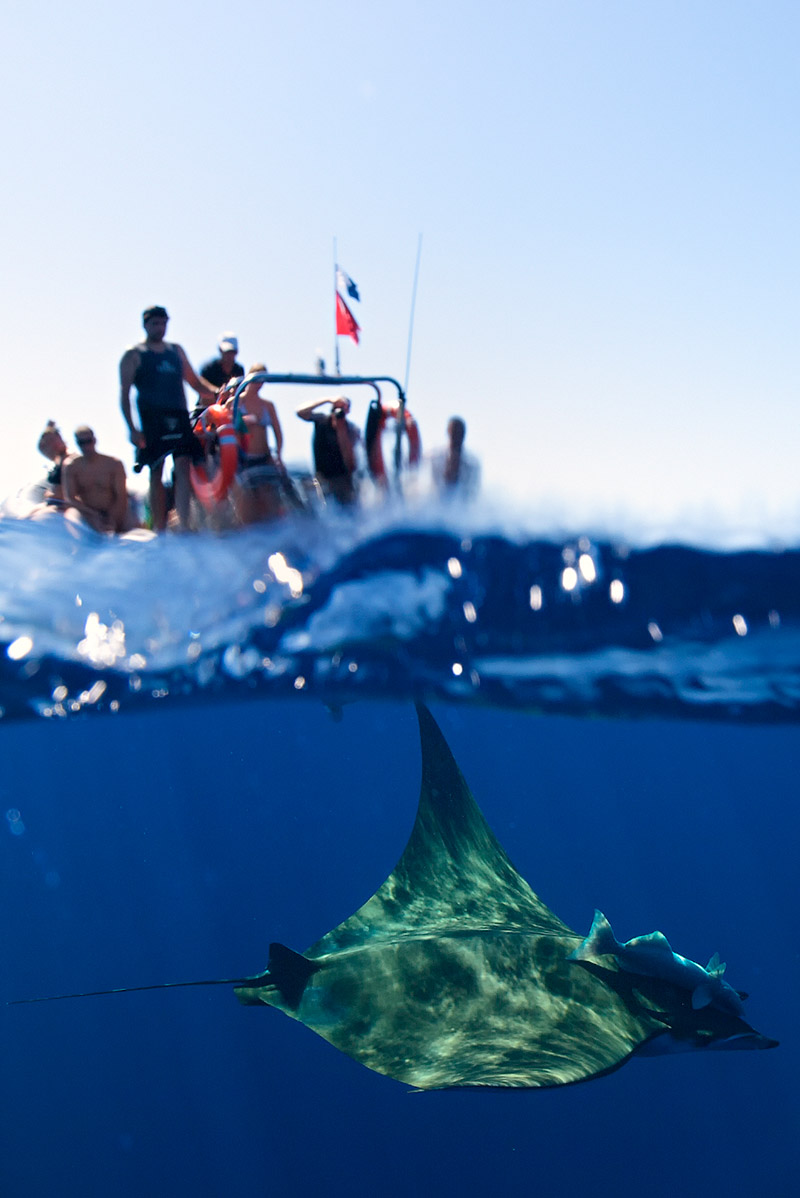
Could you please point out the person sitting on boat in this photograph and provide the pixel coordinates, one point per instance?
(258, 487)
(42, 499)
(455, 472)
(53, 447)
(334, 447)
(94, 484)
(158, 369)
(220, 370)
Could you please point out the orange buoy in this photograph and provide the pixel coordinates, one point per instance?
(379, 413)
(212, 490)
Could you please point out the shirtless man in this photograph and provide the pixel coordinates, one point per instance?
(94, 484)
(157, 369)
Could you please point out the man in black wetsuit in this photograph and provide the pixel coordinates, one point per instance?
(219, 371)
(157, 369)
(334, 446)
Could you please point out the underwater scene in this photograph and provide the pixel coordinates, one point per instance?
(215, 752)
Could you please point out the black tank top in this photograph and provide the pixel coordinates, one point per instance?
(159, 380)
(328, 460)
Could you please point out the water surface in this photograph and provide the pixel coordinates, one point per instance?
(229, 763)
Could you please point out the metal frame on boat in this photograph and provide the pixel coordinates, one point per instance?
(337, 380)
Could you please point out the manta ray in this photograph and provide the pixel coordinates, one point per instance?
(454, 973)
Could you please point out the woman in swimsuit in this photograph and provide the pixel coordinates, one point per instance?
(257, 492)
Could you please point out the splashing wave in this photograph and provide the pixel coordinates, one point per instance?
(396, 606)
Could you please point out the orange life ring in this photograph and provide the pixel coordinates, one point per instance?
(212, 491)
(375, 427)
(214, 416)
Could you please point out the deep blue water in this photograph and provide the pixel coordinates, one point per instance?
(175, 838)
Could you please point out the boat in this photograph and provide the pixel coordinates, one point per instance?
(218, 426)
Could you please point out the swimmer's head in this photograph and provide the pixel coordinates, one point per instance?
(456, 431)
(51, 443)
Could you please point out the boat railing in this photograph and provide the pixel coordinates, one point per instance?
(332, 380)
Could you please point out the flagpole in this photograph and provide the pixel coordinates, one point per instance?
(335, 293)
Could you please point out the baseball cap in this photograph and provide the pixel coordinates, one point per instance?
(228, 342)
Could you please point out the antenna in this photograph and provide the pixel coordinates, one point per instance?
(411, 318)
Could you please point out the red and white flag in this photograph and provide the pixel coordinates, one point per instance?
(346, 324)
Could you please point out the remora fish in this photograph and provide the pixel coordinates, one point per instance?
(455, 973)
(652, 956)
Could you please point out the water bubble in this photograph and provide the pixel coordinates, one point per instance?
(616, 590)
(15, 825)
(19, 648)
(587, 567)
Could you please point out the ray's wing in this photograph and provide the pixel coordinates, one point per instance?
(453, 877)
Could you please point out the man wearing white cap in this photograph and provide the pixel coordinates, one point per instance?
(219, 371)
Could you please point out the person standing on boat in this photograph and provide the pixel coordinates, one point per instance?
(220, 370)
(258, 487)
(334, 447)
(157, 369)
(455, 472)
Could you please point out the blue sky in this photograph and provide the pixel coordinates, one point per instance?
(607, 192)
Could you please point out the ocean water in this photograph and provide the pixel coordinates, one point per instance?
(210, 743)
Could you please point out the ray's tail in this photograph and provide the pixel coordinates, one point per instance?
(259, 979)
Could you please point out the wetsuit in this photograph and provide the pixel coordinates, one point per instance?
(329, 464)
(162, 408)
